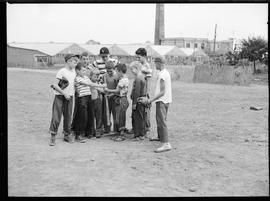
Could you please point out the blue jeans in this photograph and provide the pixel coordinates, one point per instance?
(120, 116)
(161, 118)
(83, 121)
(97, 115)
(61, 106)
(139, 120)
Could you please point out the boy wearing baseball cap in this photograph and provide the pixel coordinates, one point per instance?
(63, 100)
(100, 64)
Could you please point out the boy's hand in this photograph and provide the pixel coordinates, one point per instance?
(67, 96)
(133, 106)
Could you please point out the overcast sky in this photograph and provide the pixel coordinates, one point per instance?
(132, 23)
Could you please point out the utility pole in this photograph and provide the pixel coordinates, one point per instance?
(215, 38)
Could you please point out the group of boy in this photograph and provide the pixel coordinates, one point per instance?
(100, 90)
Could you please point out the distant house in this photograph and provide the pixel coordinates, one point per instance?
(17, 56)
(52, 49)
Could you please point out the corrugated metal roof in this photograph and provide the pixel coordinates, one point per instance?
(187, 51)
(151, 52)
(93, 49)
(162, 49)
(199, 52)
(74, 49)
(130, 49)
(41, 53)
(176, 52)
(48, 48)
(115, 50)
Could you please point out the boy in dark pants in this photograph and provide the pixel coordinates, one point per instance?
(82, 124)
(138, 110)
(97, 105)
(100, 65)
(121, 102)
(111, 79)
(63, 101)
(141, 54)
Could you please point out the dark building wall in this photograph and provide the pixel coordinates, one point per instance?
(21, 57)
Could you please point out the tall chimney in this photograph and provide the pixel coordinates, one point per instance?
(159, 25)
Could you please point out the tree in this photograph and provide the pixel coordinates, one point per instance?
(232, 58)
(254, 50)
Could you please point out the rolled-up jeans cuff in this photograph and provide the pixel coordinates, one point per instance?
(53, 132)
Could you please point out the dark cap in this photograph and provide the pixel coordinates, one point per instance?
(159, 59)
(141, 51)
(68, 56)
(104, 51)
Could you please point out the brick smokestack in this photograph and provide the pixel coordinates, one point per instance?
(159, 25)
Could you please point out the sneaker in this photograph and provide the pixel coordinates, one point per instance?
(98, 135)
(136, 138)
(129, 131)
(80, 139)
(69, 138)
(52, 140)
(120, 138)
(164, 147)
(153, 139)
(142, 137)
(116, 135)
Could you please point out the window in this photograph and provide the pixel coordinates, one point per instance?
(187, 45)
(195, 45)
(202, 46)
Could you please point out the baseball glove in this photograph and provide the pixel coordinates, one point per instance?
(144, 101)
(63, 83)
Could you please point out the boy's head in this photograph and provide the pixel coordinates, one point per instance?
(85, 58)
(159, 62)
(80, 70)
(121, 69)
(104, 53)
(135, 67)
(94, 74)
(109, 67)
(141, 54)
(71, 60)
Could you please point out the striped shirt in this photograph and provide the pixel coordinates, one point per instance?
(82, 89)
(100, 64)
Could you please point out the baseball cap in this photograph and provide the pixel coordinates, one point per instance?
(141, 51)
(104, 51)
(68, 56)
(159, 59)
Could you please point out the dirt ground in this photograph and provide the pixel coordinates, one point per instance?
(220, 146)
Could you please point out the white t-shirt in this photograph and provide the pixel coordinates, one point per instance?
(167, 97)
(123, 85)
(70, 76)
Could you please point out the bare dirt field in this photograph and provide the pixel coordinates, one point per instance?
(220, 146)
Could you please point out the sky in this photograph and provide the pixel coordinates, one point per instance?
(132, 23)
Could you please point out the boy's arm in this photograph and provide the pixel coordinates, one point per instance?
(90, 83)
(117, 90)
(59, 90)
(161, 93)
